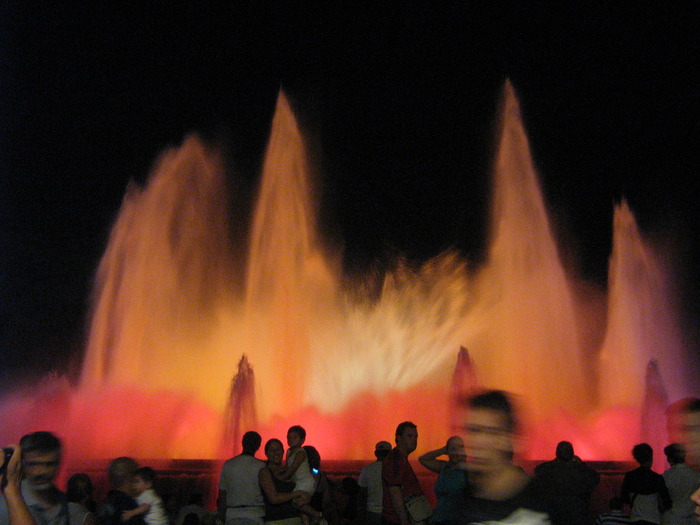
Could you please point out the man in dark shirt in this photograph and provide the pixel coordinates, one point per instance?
(645, 490)
(569, 483)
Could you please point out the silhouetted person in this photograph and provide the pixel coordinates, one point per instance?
(81, 506)
(399, 482)
(240, 500)
(452, 474)
(644, 490)
(322, 499)
(681, 482)
(569, 483)
(41, 458)
(370, 500)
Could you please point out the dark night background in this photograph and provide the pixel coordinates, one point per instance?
(398, 100)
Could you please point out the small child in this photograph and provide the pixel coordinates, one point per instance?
(297, 469)
(150, 504)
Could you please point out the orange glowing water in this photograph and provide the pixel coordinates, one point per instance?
(168, 326)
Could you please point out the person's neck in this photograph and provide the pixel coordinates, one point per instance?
(499, 484)
(403, 451)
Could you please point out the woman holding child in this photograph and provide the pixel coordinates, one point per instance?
(278, 493)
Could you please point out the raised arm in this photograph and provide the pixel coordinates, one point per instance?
(429, 459)
(11, 481)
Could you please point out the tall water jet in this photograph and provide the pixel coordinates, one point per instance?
(522, 332)
(642, 322)
(164, 277)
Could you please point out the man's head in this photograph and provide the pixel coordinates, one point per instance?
(144, 478)
(675, 454)
(643, 454)
(455, 449)
(296, 435)
(251, 442)
(121, 474)
(406, 437)
(382, 449)
(565, 451)
(490, 431)
(41, 457)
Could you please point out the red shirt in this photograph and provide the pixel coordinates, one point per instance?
(397, 472)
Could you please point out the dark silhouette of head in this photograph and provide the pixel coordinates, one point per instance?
(643, 454)
(675, 453)
(565, 451)
(121, 472)
(273, 441)
(299, 430)
(313, 457)
(146, 474)
(251, 442)
(79, 488)
(382, 449)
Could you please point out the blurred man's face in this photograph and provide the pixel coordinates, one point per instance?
(408, 441)
(488, 442)
(40, 468)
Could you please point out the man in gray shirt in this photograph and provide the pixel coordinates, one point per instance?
(41, 457)
(240, 500)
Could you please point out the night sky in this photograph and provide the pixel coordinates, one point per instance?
(398, 101)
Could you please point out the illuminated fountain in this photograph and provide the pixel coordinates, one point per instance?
(169, 327)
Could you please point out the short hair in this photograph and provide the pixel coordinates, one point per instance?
(382, 449)
(298, 429)
(79, 487)
(146, 473)
(565, 451)
(675, 453)
(495, 400)
(403, 426)
(313, 457)
(643, 453)
(270, 442)
(251, 441)
(121, 470)
(41, 441)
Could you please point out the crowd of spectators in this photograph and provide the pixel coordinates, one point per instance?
(478, 482)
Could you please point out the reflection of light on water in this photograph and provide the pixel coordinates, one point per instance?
(168, 327)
